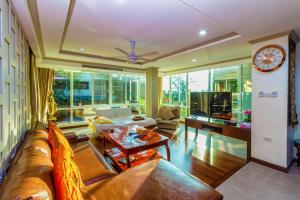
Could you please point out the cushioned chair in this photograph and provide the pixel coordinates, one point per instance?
(168, 117)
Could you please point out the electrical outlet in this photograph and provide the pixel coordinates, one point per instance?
(267, 139)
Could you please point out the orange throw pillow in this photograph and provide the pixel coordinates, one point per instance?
(56, 139)
(66, 177)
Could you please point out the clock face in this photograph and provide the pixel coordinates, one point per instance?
(269, 58)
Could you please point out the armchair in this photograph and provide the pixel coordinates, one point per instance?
(168, 117)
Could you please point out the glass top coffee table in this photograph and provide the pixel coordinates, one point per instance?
(133, 148)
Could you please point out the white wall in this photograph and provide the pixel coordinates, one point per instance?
(270, 115)
(297, 129)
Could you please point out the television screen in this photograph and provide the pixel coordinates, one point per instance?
(221, 105)
(199, 104)
(211, 104)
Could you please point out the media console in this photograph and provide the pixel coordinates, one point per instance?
(219, 126)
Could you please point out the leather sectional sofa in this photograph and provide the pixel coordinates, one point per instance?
(30, 176)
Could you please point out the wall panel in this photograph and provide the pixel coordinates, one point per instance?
(14, 59)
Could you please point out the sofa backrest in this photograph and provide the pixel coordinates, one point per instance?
(31, 174)
(114, 113)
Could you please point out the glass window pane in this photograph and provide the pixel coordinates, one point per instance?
(179, 89)
(118, 89)
(63, 116)
(246, 86)
(199, 81)
(183, 89)
(82, 92)
(61, 89)
(166, 90)
(132, 89)
(142, 99)
(101, 88)
(78, 115)
(175, 89)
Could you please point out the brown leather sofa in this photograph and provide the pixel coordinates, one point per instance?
(30, 176)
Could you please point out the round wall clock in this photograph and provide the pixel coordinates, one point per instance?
(269, 58)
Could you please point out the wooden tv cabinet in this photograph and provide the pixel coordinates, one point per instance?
(219, 126)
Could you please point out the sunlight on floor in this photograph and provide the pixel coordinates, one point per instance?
(213, 141)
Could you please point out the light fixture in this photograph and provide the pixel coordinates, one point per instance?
(81, 49)
(194, 60)
(202, 32)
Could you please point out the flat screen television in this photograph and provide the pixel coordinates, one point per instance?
(211, 104)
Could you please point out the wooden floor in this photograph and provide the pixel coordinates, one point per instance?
(210, 163)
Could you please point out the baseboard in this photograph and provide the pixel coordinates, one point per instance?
(271, 165)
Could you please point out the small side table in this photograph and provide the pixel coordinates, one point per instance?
(297, 145)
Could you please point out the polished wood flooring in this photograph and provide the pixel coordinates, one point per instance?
(211, 158)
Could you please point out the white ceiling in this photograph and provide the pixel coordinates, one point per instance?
(162, 26)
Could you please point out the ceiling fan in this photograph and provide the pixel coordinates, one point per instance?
(132, 56)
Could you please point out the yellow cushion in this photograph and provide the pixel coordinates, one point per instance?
(103, 120)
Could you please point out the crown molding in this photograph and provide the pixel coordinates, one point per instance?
(32, 5)
(209, 64)
(92, 63)
(270, 37)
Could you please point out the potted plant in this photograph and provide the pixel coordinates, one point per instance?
(247, 116)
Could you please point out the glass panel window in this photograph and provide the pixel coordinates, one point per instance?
(132, 89)
(63, 116)
(199, 81)
(78, 115)
(166, 90)
(118, 89)
(246, 86)
(101, 89)
(82, 92)
(61, 89)
(142, 99)
(179, 89)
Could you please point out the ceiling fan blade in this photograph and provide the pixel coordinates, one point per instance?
(153, 53)
(144, 59)
(121, 57)
(122, 51)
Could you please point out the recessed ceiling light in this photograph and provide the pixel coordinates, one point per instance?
(194, 60)
(202, 32)
(81, 49)
(120, 0)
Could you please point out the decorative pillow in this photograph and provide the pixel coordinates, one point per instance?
(103, 120)
(66, 177)
(56, 139)
(167, 114)
(176, 112)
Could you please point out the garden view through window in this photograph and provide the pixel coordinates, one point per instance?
(79, 93)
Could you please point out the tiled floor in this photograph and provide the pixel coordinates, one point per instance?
(256, 182)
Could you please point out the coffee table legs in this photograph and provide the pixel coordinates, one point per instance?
(128, 160)
(196, 134)
(168, 151)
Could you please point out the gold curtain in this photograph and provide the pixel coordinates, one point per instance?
(41, 81)
(45, 77)
(293, 119)
(160, 91)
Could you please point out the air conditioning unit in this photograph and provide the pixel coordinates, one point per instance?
(111, 68)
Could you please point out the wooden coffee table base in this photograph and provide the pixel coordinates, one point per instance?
(116, 155)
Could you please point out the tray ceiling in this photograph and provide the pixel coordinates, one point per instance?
(169, 27)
